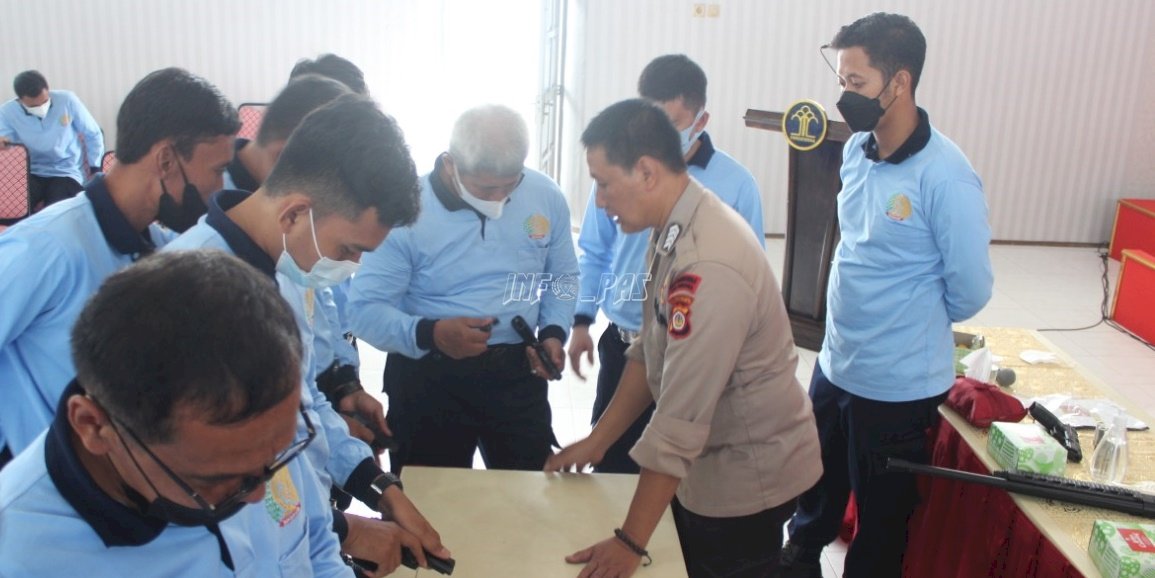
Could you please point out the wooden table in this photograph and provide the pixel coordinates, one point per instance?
(993, 541)
(507, 523)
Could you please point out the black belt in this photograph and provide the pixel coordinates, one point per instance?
(504, 360)
(624, 335)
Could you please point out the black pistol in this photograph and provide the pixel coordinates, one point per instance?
(523, 330)
(1062, 432)
(445, 566)
(381, 441)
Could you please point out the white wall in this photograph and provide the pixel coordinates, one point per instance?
(1051, 99)
(424, 60)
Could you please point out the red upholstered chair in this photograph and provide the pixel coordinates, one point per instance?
(13, 184)
(107, 161)
(251, 115)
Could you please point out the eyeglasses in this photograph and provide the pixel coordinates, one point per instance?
(248, 483)
(822, 51)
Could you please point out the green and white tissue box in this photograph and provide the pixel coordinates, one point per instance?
(1123, 550)
(1026, 447)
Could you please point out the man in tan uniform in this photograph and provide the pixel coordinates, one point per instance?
(732, 442)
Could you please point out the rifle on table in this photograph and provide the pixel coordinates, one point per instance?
(1091, 494)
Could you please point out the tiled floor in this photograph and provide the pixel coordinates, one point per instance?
(1035, 287)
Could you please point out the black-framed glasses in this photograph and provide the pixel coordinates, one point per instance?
(248, 483)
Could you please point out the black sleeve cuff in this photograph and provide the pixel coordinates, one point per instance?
(360, 481)
(425, 334)
(340, 525)
(551, 331)
(580, 319)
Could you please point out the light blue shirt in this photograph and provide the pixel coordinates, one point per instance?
(57, 522)
(53, 143)
(329, 340)
(334, 452)
(913, 258)
(612, 263)
(455, 263)
(50, 264)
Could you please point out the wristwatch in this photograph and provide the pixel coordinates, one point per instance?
(383, 481)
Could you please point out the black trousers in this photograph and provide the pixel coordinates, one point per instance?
(5, 456)
(442, 410)
(739, 547)
(612, 355)
(49, 190)
(857, 435)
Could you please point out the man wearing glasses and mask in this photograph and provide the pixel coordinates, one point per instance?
(493, 243)
(161, 465)
(913, 258)
(174, 139)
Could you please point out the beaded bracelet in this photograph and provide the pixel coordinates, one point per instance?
(633, 546)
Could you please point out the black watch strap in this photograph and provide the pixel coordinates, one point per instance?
(383, 481)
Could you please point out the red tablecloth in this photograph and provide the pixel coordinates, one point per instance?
(963, 530)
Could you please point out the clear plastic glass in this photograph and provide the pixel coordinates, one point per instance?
(1109, 460)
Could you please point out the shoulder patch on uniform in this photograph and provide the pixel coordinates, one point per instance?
(680, 297)
(685, 283)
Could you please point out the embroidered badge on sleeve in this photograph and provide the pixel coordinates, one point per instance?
(680, 298)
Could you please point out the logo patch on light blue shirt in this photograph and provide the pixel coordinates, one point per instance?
(898, 207)
(281, 499)
(536, 226)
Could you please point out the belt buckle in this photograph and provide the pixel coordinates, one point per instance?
(627, 336)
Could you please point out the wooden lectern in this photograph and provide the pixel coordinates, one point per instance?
(811, 226)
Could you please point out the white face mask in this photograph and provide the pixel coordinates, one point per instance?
(39, 111)
(491, 209)
(325, 273)
(687, 134)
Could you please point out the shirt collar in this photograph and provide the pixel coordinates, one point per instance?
(242, 178)
(114, 225)
(448, 197)
(666, 237)
(914, 143)
(116, 524)
(239, 241)
(704, 153)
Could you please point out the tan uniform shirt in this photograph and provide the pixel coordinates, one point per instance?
(732, 421)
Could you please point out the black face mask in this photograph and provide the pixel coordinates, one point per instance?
(861, 113)
(181, 217)
(169, 511)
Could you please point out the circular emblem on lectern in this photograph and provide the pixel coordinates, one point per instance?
(804, 125)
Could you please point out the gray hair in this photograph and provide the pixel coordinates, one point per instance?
(490, 139)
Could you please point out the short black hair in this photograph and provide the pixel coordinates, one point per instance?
(893, 42)
(348, 156)
(29, 84)
(197, 331)
(671, 76)
(302, 95)
(172, 103)
(334, 67)
(634, 128)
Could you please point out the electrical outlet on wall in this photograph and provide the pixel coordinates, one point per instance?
(713, 10)
(699, 11)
